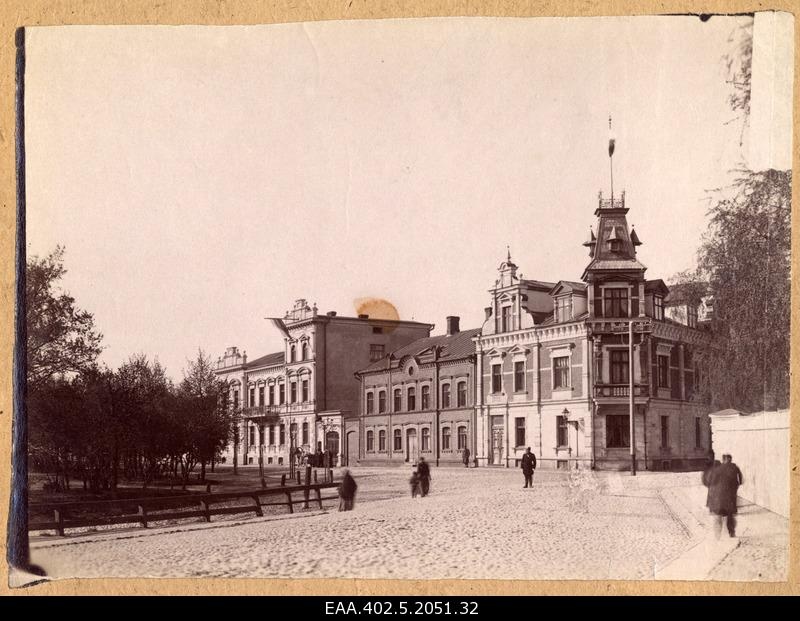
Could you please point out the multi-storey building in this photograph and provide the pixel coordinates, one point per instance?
(555, 364)
(306, 396)
(419, 401)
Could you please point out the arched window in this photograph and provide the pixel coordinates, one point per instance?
(445, 395)
(292, 354)
(382, 401)
(462, 394)
(304, 351)
(411, 403)
(445, 438)
(370, 402)
(397, 400)
(382, 440)
(426, 439)
(398, 440)
(426, 397)
(462, 438)
(370, 441)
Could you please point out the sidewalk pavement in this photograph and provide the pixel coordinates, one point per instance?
(759, 552)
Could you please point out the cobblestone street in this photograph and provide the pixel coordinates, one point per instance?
(476, 523)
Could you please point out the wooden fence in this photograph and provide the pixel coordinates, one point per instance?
(64, 514)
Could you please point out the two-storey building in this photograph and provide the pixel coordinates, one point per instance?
(306, 396)
(555, 364)
(418, 401)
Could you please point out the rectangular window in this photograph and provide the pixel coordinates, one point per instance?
(398, 440)
(519, 427)
(305, 433)
(382, 440)
(293, 392)
(252, 395)
(619, 366)
(272, 395)
(564, 309)
(445, 438)
(304, 389)
(519, 377)
(665, 432)
(260, 395)
(281, 394)
(691, 314)
(462, 438)
(397, 400)
(377, 330)
(698, 433)
(426, 439)
(497, 378)
(505, 319)
(426, 397)
(445, 395)
(235, 399)
(411, 399)
(370, 441)
(658, 305)
(663, 371)
(376, 352)
(282, 435)
(561, 372)
(382, 401)
(462, 394)
(562, 431)
(272, 435)
(370, 402)
(617, 431)
(615, 302)
(252, 436)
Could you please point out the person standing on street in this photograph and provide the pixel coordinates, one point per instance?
(424, 472)
(414, 482)
(528, 465)
(465, 457)
(347, 492)
(724, 482)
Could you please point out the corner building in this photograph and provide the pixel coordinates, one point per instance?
(306, 395)
(554, 365)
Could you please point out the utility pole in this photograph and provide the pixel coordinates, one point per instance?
(632, 430)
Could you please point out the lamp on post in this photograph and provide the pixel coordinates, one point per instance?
(292, 445)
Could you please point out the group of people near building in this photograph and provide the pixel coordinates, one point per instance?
(317, 459)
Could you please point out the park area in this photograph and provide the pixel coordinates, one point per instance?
(475, 524)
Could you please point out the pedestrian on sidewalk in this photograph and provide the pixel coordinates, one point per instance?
(414, 482)
(424, 472)
(465, 457)
(724, 482)
(707, 474)
(528, 465)
(347, 492)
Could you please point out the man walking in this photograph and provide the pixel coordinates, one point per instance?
(347, 492)
(724, 482)
(424, 473)
(465, 457)
(528, 466)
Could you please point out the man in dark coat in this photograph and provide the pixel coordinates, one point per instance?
(465, 458)
(707, 474)
(724, 481)
(528, 465)
(347, 492)
(424, 473)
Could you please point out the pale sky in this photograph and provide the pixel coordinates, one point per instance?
(202, 178)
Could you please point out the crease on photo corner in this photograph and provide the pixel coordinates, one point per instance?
(21, 572)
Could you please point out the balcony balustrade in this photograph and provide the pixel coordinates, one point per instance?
(620, 390)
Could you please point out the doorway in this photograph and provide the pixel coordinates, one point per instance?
(497, 446)
(411, 445)
(352, 448)
(332, 445)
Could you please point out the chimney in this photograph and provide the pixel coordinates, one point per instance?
(331, 313)
(488, 311)
(363, 316)
(452, 325)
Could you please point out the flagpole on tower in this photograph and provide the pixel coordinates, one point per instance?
(611, 157)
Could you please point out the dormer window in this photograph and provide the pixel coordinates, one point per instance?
(564, 309)
(614, 242)
(658, 306)
(615, 245)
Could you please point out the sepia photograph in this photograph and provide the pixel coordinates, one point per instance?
(464, 298)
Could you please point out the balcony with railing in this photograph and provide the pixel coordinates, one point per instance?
(611, 203)
(274, 411)
(619, 390)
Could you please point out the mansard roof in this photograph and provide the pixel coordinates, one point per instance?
(451, 347)
(537, 284)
